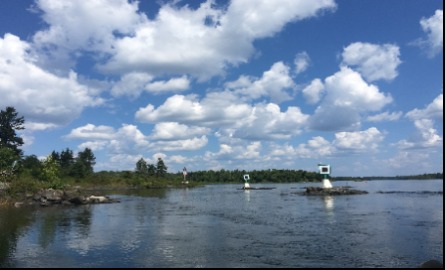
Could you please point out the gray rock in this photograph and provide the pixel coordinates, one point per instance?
(49, 197)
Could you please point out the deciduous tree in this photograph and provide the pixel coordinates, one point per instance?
(50, 169)
(8, 161)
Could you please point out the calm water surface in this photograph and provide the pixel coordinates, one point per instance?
(398, 224)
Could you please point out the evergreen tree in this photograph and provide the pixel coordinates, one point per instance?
(78, 169)
(87, 157)
(55, 156)
(67, 161)
(151, 170)
(9, 124)
(84, 163)
(142, 167)
(161, 169)
(66, 158)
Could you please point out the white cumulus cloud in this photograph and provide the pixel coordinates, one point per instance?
(433, 111)
(374, 62)
(301, 62)
(385, 116)
(83, 26)
(347, 97)
(175, 131)
(274, 84)
(172, 85)
(433, 27)
(268, 122)
(45, 99)
(424, 120)
(358, 141)
(181, 40)
(314, 91)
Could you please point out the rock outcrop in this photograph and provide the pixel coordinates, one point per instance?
(50, 197)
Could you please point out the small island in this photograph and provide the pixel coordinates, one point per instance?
(327, 189)
(345, 190)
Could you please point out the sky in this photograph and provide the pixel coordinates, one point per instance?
(233, 85)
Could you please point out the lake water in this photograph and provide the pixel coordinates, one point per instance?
(397, 224)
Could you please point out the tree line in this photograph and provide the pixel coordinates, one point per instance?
(425, 176)
(59, 165)
(256, 176)
(60, 168)
(149, 170)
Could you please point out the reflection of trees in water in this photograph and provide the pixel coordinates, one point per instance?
(64, 220)
(13, 223)
(58, 221)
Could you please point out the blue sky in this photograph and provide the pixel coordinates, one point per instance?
(242, 84)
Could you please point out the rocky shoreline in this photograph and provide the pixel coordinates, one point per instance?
(57, 197)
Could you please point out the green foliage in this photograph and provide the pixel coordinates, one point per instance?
(50, 170)
(24, 185)
(78, 170)
(8, 161)
(66, 161)
(85, 162)
(151, 170)
(55, 156)
(161, 169)
(56, 184)
(30, 166)
(10, 122)
(79, 167)
(142, 167)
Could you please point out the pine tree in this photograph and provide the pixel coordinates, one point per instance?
(9, 124)
(142, 167)
(151, 170)
(66, 158)
(161, 169)
(84, 163)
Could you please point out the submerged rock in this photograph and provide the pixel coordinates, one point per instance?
(431, 264)
(333, 191)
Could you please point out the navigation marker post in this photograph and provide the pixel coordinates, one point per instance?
(325, 170)
(184, 173)
(246, 181)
